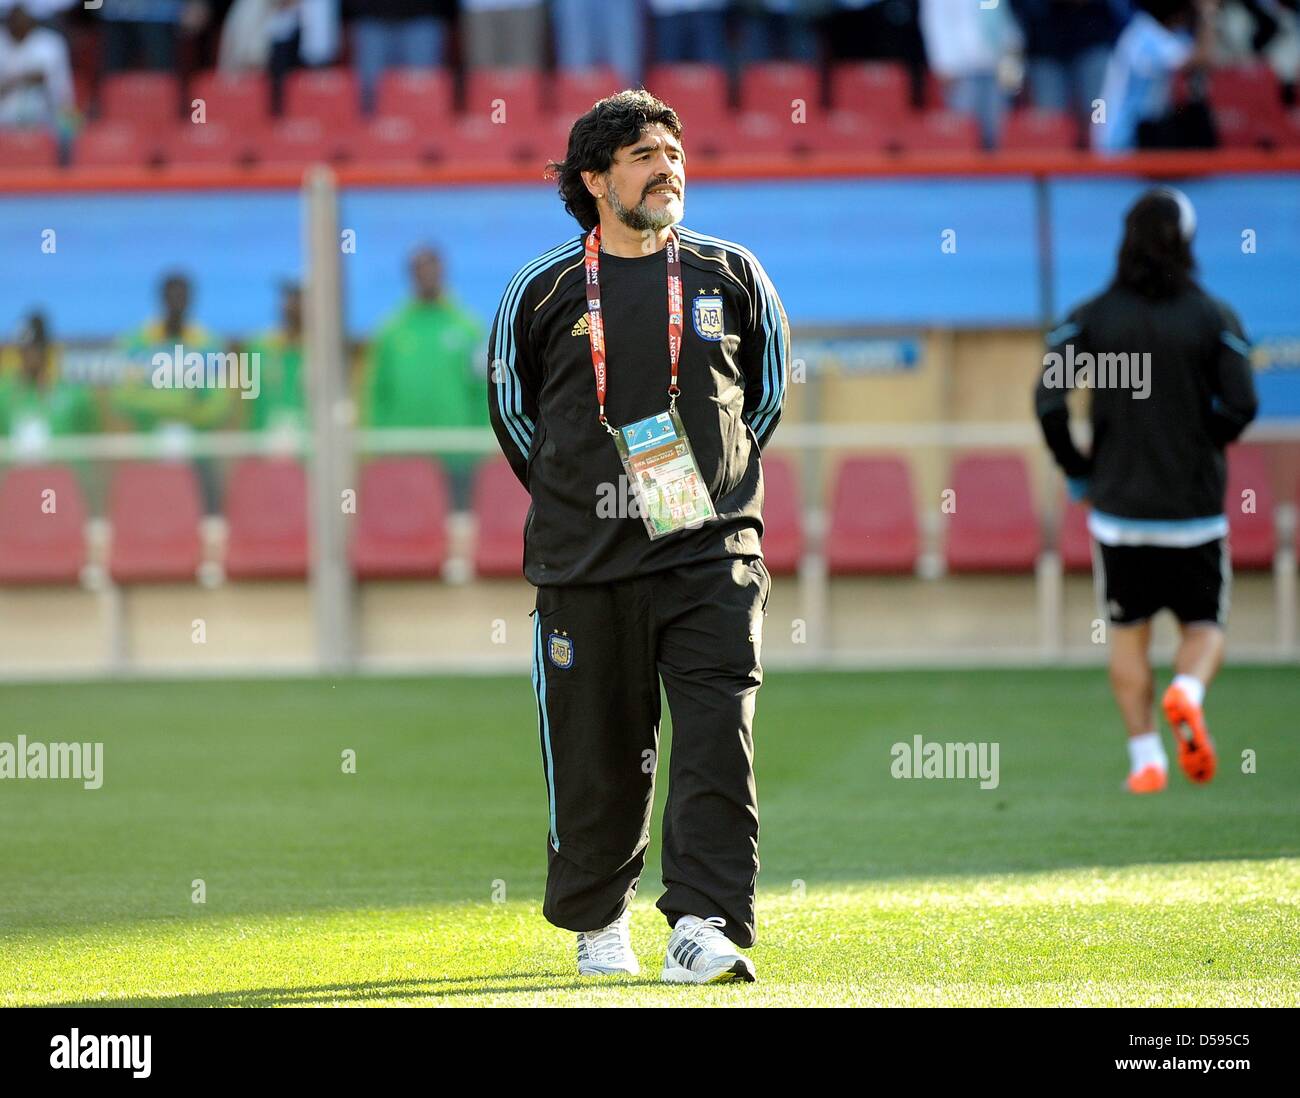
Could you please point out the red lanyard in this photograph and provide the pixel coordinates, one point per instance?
(596, 323)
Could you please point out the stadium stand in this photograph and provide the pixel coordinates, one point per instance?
(154, 511)
(401, 527)
(39, 544)
(1075, 544)
(266, 514)
(994, 527)
(783, 540)
(500, 507)
(1251, 534)
(873, 527)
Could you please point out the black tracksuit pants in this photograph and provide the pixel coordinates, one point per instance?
(599, 651)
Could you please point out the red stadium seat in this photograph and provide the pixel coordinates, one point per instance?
(748, 137)
(994, 527)
(575, 91)
(266, 512)
(141, 98)
(1250, 533)
(474, 141)
(297, 141)
(843, 133)
(40, 544)
(507, 97)
(114, 145)
(1033, 129)
(697, 92)
(210, 143)
(231, 99)
(874, 89)
(154, 510)
(939, 131)
(330, 96)
(782, 516)
(779, 88)
(1252, 88)
(402, 512)
(1289, 131)
(423, 96)
(27, 149)
(500, 507)
(1075, 545)
(1239, 128)
(873, 527)
(393, 140)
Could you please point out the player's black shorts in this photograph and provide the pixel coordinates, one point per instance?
(1133, 582)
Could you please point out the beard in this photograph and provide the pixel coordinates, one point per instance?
(641, 217)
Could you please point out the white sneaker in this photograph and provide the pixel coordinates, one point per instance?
(608, 950)
(699, 953)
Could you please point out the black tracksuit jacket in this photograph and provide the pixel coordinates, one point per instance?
(1160, 457)
(542, 402)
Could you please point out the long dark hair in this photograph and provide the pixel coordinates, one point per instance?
(596, 136)
(1155, 259)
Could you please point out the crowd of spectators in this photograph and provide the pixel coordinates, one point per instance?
(423, 367)
(1053, 55)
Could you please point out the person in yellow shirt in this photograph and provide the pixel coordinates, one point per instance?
(136, 403)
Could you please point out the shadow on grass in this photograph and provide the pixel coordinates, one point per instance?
(373, 991)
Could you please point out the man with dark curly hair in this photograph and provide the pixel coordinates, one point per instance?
(636, 372)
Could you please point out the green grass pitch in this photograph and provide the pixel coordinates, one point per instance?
(417, 880)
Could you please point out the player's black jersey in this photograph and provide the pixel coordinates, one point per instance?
(583, 525)
(1158, 456)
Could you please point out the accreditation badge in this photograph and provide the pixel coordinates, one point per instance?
(662, 470)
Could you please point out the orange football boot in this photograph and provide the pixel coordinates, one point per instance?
(1150, 779)
(1195, 748)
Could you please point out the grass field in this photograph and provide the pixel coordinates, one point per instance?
(385, 886)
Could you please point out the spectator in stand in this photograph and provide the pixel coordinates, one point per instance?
(877, 30)
(1138, 89)
(174, 412)
(48, 13)
(778, 30)
(140, 406)
(423, 366)
(281, 403)
(973, 50)
(35, 403)
(504, 33)
(1067, 45)
(149, 30)
(35, 77)
(279, 36)
(396, 34)
(689, 30)
(588, 33)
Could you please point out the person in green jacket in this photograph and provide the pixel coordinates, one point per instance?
(281, 403)
(35, 403)
(421, 370)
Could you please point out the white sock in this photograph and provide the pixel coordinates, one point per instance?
(1145, 750)
(685, 921)
(1192, 687)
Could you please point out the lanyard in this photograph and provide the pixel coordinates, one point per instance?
(596, 323)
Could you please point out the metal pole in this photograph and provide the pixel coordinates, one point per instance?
(329, 461)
